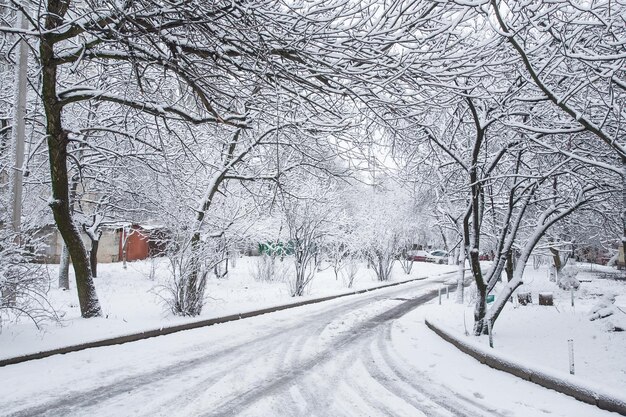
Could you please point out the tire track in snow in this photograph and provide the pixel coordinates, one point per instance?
(434, 392)
(248, 397)
(295, 365)
(78, 400)
(318, 388)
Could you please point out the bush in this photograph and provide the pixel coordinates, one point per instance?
(567, 277)
(269, 268)
(24, 284)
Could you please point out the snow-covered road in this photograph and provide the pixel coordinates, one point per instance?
(337, 358)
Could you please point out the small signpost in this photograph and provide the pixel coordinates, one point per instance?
(570, 343)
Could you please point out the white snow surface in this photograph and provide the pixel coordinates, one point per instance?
(538, 336)
(132, 302)
(361, 355)
(345, 357)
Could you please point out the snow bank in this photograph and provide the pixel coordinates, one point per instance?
(567, 384)
(539, 335)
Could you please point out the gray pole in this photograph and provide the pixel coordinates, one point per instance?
(19, 128)
(570, 343)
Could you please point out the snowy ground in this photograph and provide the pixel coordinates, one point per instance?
(132, 301)
(364, 355)
(368, 354)
(538, 335)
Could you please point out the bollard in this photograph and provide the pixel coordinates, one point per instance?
(447, 293)
(490, 335)
(570, 343)
(439, 295)
(571, 292)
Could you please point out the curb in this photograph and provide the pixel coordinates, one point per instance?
(581, 392)
(133, 337)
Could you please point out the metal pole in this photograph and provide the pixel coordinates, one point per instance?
(19, 128)
(490, 335)
(571, 292)
(570, 342)
(439, 295)
(447, 293)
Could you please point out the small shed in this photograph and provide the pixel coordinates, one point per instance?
(134, 239)
(141, 242)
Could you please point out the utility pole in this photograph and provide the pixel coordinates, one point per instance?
(19, 127)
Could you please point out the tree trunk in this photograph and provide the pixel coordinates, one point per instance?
(93, 257)
(57, 152)
(64, 269)
(193, 302)
(556, 258)
(125, 235)
(623, 208)
(481, 304)
(460, 284)
(509, 265)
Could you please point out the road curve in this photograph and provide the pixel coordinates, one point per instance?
(332, 359)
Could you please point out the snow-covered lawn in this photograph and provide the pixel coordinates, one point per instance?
(132, 301)
(532, 334)
(538, 335)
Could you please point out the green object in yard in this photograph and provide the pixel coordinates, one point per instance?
(491, 298)
(276, 248)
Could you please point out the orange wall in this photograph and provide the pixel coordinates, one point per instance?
(137, 247)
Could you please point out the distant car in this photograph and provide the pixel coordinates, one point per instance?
(417, 255)
(438, 257)
(484, 256)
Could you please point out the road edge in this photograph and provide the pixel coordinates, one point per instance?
(581, 392)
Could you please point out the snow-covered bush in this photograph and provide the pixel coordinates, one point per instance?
(191, 264)
(268, 268)
(263, 268)
(386, 227)
(310, 219)
(567, 277)
(605, 308)
(23, 283)
(184, 294)
(349, 270)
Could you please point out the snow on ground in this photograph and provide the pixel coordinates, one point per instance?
(538, 335)
(288, 363)
(429, 358)
(404, 361)
(132, 301)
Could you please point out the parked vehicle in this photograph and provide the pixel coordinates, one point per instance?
(438, 257)
(417, 255)
(484, 256)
